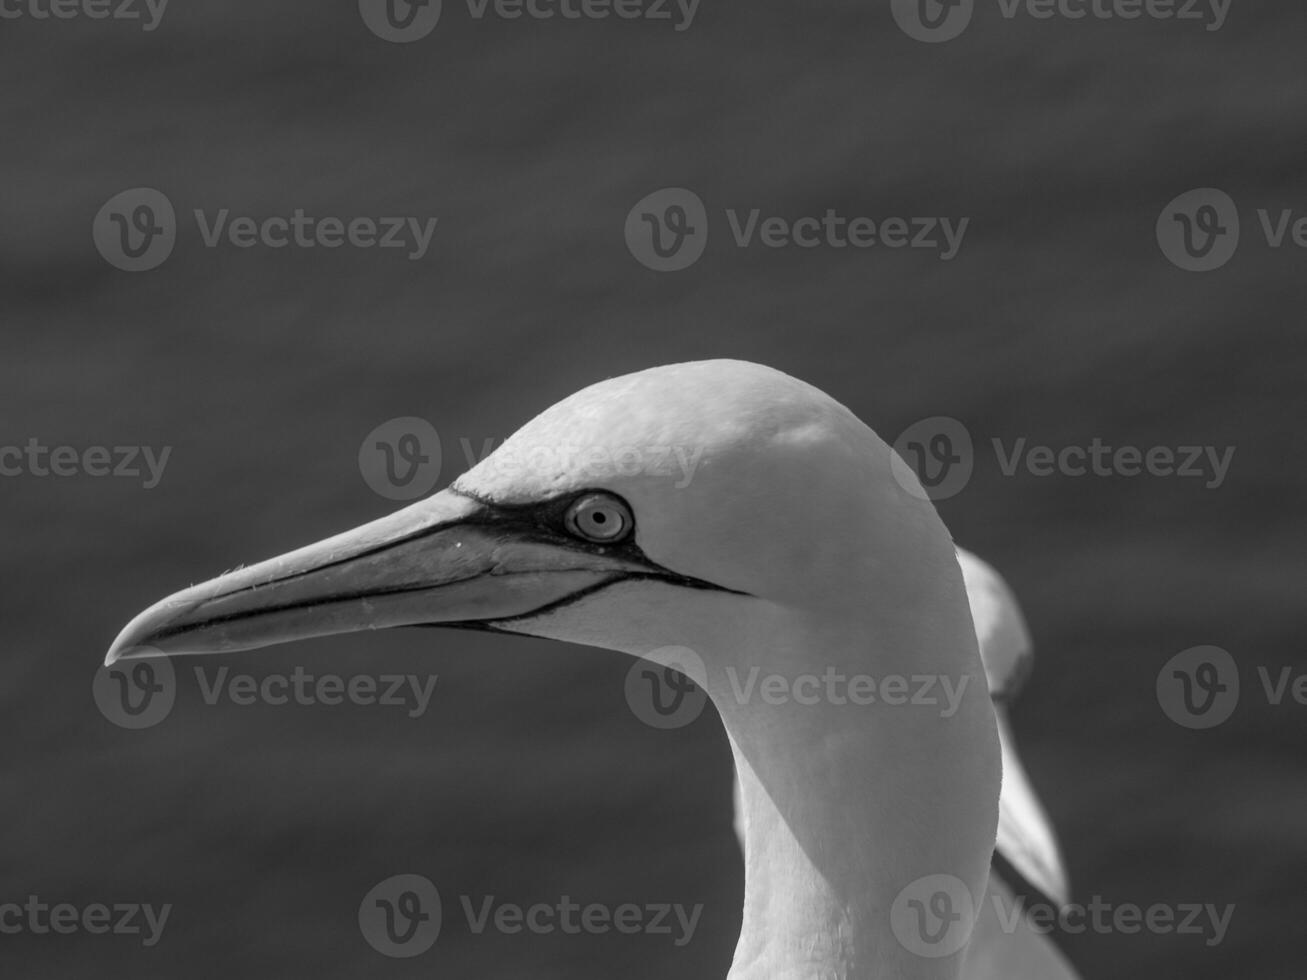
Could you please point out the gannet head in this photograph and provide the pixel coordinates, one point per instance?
(704, 487)
(730, 509)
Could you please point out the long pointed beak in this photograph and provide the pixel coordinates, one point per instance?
(444, 560)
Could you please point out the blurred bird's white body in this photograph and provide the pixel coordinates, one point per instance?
(794, 551)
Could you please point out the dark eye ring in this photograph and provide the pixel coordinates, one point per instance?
(601, 518)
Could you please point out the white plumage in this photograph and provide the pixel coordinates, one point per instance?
(794, 550)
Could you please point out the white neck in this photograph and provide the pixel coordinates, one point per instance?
(844, 805)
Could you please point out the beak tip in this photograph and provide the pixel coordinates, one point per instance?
(133, 641)
(120, 649)
(124, 649)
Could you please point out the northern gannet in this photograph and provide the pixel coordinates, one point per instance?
(794, 549)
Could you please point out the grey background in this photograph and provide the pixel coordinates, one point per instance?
(529, 778)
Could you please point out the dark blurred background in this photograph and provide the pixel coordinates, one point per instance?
(1060, 320)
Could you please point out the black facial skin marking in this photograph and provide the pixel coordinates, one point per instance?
(542, 523)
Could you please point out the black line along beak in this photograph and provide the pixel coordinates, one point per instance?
(447, 560)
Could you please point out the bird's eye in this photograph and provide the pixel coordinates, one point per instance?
(600, 518)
